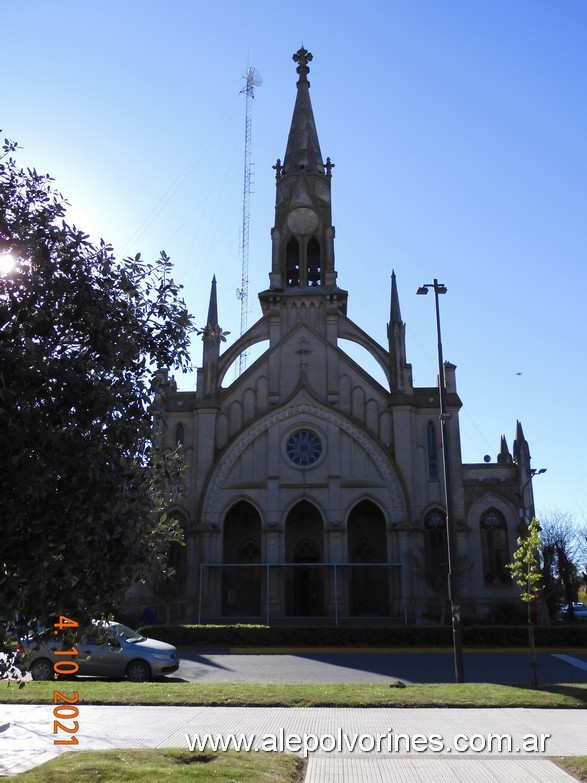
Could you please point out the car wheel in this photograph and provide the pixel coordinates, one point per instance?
(138, 671)
(42, 669)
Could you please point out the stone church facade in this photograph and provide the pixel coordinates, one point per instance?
(315, 494)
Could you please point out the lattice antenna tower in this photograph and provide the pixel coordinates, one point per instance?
(253, 79)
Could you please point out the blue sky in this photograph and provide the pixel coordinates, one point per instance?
(458, 131)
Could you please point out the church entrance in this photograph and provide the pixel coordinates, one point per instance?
(304, 548)
(307, 585)
(241, 584)
(367, 545)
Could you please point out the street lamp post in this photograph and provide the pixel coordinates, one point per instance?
(526, 518)
(453, 577)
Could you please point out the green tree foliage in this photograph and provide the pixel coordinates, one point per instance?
(80, 335)
(526, 565)
(526, 572)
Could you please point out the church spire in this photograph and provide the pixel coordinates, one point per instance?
(302, 261)
(213, 305)
(212, 336)
(303, 147)
(400, 370)
(395, 316)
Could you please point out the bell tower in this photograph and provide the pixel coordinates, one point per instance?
(303, 236)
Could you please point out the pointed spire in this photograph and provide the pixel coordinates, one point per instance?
(504, 457)
(400, 370)
(521, 448)
(303, 147)
(395, 316)
(213, 306)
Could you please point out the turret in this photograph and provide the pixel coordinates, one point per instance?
(211, 336)
(504, 457)
(400, 371)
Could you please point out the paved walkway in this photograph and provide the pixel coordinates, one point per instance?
(26, 738)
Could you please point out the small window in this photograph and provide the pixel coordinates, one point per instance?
(249, 552)
(313, 257)
(307, 552)
(364, 552)
(432, 452)
(179, 435)
(292, 263)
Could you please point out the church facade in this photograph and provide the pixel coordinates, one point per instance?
(316, 494)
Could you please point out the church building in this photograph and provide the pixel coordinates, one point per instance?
(315, 494)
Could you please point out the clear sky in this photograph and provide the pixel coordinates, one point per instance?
(459, 133)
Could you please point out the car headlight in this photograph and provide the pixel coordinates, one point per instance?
(163, 656)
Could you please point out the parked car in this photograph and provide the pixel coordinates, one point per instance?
(579, 612)
(105, 649)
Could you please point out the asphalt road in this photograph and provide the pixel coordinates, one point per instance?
(420, 667)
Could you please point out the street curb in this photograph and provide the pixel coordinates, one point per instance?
(402, 650)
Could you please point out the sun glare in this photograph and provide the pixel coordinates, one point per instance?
(7, 263)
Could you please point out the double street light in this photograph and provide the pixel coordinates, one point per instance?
(453, 577)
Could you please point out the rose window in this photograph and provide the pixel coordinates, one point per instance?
(303, 448)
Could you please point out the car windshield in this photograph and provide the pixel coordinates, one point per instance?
(124, 632)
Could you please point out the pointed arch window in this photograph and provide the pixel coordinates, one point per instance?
(313, 259)
(436, 554)
(432, 451)
(494, 547)
(179, 435)
(292, 263)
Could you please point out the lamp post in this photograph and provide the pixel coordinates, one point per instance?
(533, 472)
(453, 577)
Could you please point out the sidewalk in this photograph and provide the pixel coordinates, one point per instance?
(28, 739)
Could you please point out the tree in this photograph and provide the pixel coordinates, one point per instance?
(81, 486)
(562, 547)
(525, 569)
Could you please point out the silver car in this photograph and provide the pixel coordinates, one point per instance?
(105, 649)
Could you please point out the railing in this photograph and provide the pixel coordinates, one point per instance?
(333, 592)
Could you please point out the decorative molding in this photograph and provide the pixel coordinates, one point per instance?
(229, 459)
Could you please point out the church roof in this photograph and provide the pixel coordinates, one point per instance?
(303, 147)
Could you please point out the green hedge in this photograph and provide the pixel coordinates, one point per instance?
(330, 636)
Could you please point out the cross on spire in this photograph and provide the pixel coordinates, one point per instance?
(303, 57)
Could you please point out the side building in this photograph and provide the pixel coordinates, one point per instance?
(316, 493)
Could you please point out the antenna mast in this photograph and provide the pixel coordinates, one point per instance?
(253, 79)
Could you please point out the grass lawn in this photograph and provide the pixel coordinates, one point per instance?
(171, 765)
(574, 765)
(177, 766)
(287, 695)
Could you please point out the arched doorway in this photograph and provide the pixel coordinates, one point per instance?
(304, 546)
(241, 584)
(367, 547)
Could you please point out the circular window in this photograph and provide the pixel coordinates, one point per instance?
(303, 448)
